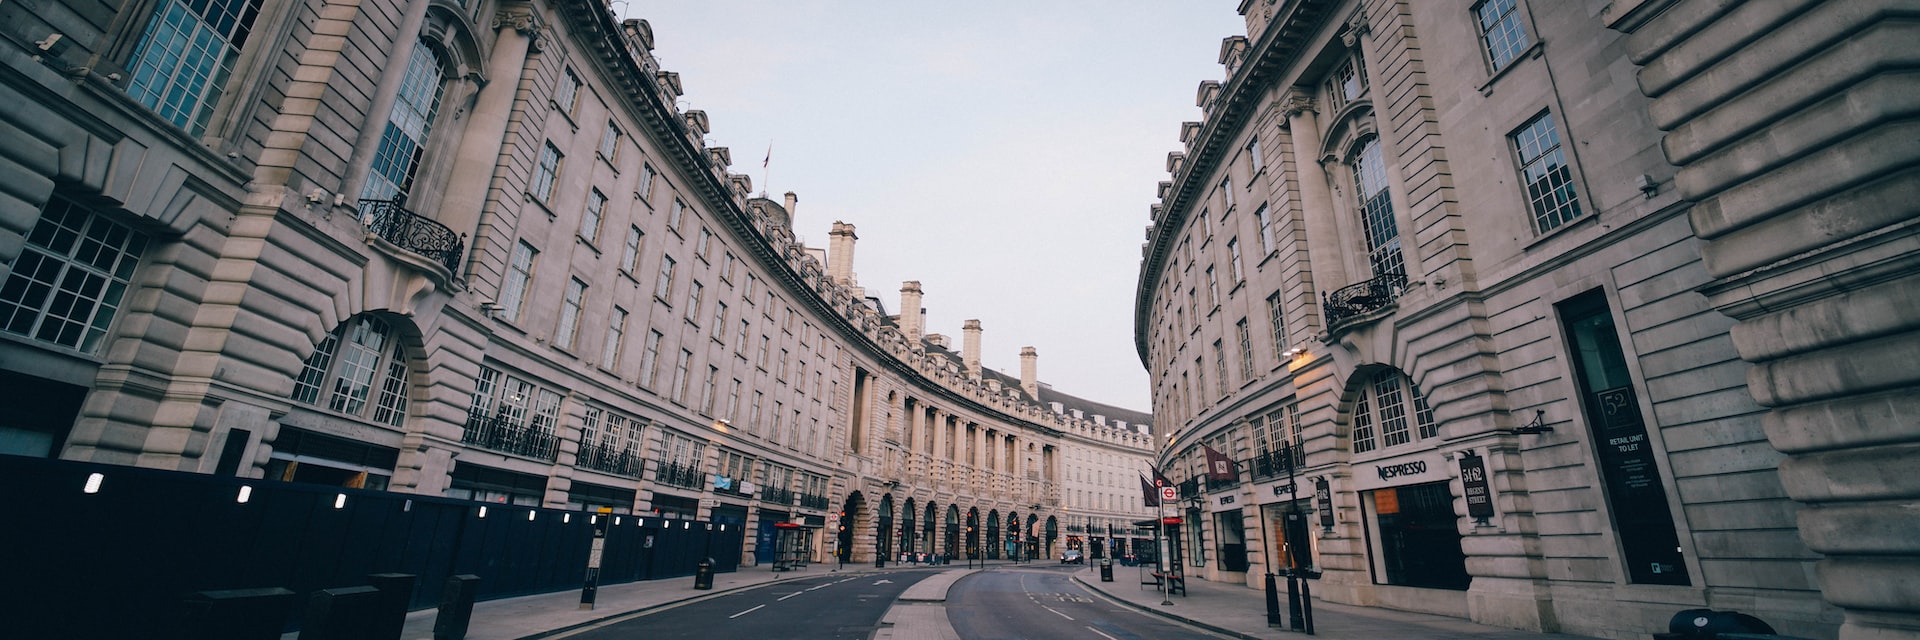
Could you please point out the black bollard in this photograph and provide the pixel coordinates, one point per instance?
(456, 607)
(396, 591)
(1273, 602)
(1294, 621)
(345, 613)
(236, 614)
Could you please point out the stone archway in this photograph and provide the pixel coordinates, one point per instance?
(1053, 533)
(909, 534)
(953, 531)
(883, 532)
(852, 515)
(973, 532)
(993, 534)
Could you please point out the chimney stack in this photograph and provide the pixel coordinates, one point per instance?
(910, 317)
(1030, 371)
(970, 346)
(840, 253)
(793, 206)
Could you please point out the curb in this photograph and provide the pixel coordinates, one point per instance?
(654, 607)
(1167, 614)
(942, 598)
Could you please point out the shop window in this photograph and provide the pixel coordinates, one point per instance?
(67, 284)
(485, 484)
(584, 496)
(311, 457)
(1636, 494)
(359, 370)
(1413, 537)
(1230, 535)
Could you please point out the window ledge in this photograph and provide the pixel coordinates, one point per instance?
(1532, 51)
(1585, 219)
(590, 245)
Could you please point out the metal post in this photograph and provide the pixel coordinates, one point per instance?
(591, 589)
(1165, 573)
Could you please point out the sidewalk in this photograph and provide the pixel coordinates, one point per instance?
(1238, 611)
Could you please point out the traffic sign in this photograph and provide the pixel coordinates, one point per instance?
(1169, 493)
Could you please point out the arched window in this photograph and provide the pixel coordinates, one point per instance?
(342, 372)
(403, 142)
(1376, 211)
(1385, 408)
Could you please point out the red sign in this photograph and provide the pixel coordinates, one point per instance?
(1169, 493)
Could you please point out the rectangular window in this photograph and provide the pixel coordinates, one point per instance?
(710, 389)
(779, 417)
(185, 57)
(760, 359)
(680, 374)
(1546, 174)
(702, 247)
(1376, 212)
(404, 135)
(546, 173)
(590, 221)
(513, 292)
(1277, 319)
(1213, 289)
(1500, 31)
(726, 268)
(67, 284)
(740, 339)
(753, 415)
(610, 143)
(1265, 220)
(1226, 192)
(664, 287)
(694, 291)
(1255, 161)
(733, 400)
(570, 314)
(1235, 270)
(650, 359)
(567, 95)
(1245, 334)
(676, 215)
(1348, 83)
(1220, 366)
(747, 293)
(1199, 380)
(719, 320)
(630, 255)
(781, 372)
(644, 188)
(616, 327)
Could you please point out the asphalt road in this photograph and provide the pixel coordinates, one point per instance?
(1008, 604)
(835, 606)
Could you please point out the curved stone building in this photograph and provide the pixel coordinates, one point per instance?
(471, 249)
(1536, 362)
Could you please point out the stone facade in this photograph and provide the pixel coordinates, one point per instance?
(1525, 283)
(464, 249)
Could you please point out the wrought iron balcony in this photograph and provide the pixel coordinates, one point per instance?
(1268, 464)
(1190, 488)
(616, 461)
(1216, 485)
(810, 501)
(1362, 298)
(413, 232)
(776, 495)
(501, 434)
(681, 475)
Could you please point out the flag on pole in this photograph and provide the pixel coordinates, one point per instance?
(1160, 480)
(1147, 493)
(764, 163)
(1219, 466)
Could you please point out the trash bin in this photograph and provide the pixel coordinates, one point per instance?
(1106, 569)
(703, 574)
(1707, 624)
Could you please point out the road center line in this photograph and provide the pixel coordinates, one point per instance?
(1055, 612)
(1108, 637)
(790, 595)
(822, 586)
(762, 606)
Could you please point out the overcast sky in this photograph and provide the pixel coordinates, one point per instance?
(1001, 153)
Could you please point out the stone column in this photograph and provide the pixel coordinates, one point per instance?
(486, 128)
(1317, 216)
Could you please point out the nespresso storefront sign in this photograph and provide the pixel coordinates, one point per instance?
(1401, 471)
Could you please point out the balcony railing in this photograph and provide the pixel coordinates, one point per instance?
(1216, 485)
(776, 495)
(1190, 487)
(501, 434)
(413, 232)
(681, 475)
(1359, 299)
(1268, 464)
(810, 501)
(615, 461)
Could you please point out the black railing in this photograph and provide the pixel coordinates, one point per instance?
(1216, 485)
(604, 458)
(1190, 487)
(413, 232)
(736, 488)
(501, 434)
(1360, 299)
(776, 495)
(681, 475)
(1267, 464)
(811, 501)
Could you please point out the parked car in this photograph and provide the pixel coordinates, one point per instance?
(1072, 556)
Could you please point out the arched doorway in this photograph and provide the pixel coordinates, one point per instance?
(1011, 541)
(953, 531)
(973, 532)
(1053, 533)
(850, 516)
(909, 534)
(883, 533)
(993, 533)
(926, 527)
(1033, 536)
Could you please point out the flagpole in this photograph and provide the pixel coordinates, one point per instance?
(766, 169)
